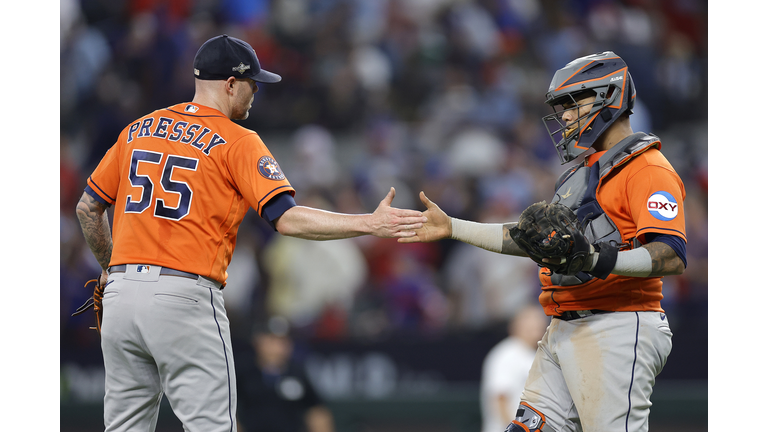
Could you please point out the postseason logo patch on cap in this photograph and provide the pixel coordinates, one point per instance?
(241, 68)
(663, 206)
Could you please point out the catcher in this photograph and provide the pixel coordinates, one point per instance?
(614, 228)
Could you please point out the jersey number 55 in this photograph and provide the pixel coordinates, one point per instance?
(168, 185)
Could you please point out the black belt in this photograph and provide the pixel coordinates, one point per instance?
(163, 271)
(572, 315)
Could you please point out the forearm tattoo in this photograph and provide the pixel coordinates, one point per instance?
(95, 225)
(508, 245)
(664, 260)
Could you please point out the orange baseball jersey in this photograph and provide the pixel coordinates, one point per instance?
(181, 180)
(643, 196)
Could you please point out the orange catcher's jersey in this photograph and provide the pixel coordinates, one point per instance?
(181, 180)
(644, 196)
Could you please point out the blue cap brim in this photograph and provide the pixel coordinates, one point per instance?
(267, 77)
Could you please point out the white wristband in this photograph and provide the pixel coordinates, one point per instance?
(635, 263)
(486, 236)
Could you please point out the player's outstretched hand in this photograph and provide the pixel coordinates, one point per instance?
(391, 222)
(436, 227)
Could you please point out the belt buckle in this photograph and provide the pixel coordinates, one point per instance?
(584, 313)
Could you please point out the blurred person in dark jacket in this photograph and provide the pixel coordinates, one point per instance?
(274, 392)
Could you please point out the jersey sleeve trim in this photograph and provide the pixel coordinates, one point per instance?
(661, 230)
(284, 188)
(96, 196)
(95, 191)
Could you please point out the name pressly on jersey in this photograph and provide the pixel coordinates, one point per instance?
(172, 130)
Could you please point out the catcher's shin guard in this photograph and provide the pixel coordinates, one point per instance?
(527, 419)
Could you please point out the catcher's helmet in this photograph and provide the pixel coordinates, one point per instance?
(604, 75)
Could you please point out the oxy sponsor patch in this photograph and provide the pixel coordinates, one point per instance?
(269, 168)
(663, 206)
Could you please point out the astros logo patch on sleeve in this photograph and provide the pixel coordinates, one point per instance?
(269, 168)
(663, 206)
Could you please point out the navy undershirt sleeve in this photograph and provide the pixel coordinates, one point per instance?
(89, 190)
(676, 243)
(276, 207)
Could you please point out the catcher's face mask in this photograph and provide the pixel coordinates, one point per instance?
(572, 116)
(606, 77)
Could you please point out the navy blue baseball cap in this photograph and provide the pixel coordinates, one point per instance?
(224, 56)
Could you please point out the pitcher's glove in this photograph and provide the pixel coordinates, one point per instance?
(552, 231)
(95, 302)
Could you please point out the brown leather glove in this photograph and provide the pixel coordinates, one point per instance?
(94, 301)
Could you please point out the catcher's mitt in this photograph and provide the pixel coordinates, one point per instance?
(552, 231)
(94, 301)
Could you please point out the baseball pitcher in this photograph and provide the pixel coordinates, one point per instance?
(180, 180)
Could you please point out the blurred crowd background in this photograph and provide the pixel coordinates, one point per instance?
(440, 96)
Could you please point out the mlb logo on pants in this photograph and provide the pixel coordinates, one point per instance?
(143, 269)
